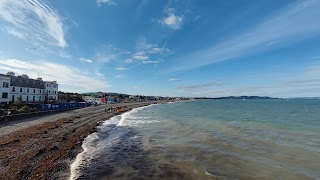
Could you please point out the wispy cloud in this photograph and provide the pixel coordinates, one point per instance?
(128, 61)
(174, 79)
(150, 62)
(290, 25)
(107, 52)
(34, 21)
(307, 85)
(86, 60)
(141, 57)
(107, 2)
(64, 54)
(14, 32)
(121, 69)
(68, 77)
(199, 87)
(144, 47)
(157, 50)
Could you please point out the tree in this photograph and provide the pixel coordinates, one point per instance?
(19, 103)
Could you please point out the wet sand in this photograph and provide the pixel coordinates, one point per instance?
(44, 148)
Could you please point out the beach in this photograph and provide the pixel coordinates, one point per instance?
(44, 147)
(205, 139)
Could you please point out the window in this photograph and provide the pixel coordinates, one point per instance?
(39, 98)
(5, 95)
(20, 89)
(5, 84)
(13, 89)
(34, 98)
(34, 90)
(12, 98)
(28, 90)
(27, 98)
(40, 91)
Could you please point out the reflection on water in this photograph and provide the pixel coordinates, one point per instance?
(258, 139)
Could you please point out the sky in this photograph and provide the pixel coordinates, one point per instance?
(189, 48)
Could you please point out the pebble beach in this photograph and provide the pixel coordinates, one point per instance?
(44, 147)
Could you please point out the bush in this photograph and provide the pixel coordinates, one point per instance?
(15, 108)
(25, 109)
(33, 110)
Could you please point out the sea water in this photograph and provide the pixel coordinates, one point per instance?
(207, 139)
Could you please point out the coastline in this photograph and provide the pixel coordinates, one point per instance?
(46, 150)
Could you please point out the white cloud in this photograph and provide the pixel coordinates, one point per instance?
(86, 60)
(172, 21)
(69, 78)
(34, 21)
(106, 53)
(157, 50)
(16, 33)
(128, 61)
(143, 48)
(150, 62)
(140, 53)
(107, 2)
(174, 79)
(142, 44)
(290, 25)
(199, 87)
(64, 54)
(139, 57)
(121, 68)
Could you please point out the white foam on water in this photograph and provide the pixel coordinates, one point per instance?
(131, 119)
(92, 144)
(83, 159)
(209, 174)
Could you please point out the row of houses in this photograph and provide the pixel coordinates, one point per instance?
(118, 98)
(23, 88)
(103, 99)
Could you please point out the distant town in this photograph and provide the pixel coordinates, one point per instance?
(21, 88)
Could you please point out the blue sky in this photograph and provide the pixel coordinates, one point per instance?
(169, 48)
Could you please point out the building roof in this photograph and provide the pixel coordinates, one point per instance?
(25, 82)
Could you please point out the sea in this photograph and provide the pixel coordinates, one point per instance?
(206, 139)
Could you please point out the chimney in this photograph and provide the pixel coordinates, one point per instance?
(10, 73)
(24, 76)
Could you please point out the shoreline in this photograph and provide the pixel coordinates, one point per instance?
(50, 147)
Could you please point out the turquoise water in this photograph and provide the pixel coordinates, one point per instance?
(223, 139)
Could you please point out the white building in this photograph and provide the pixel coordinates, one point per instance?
(29, 90)
(4, 89)
(91, 99)
(51, 90)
